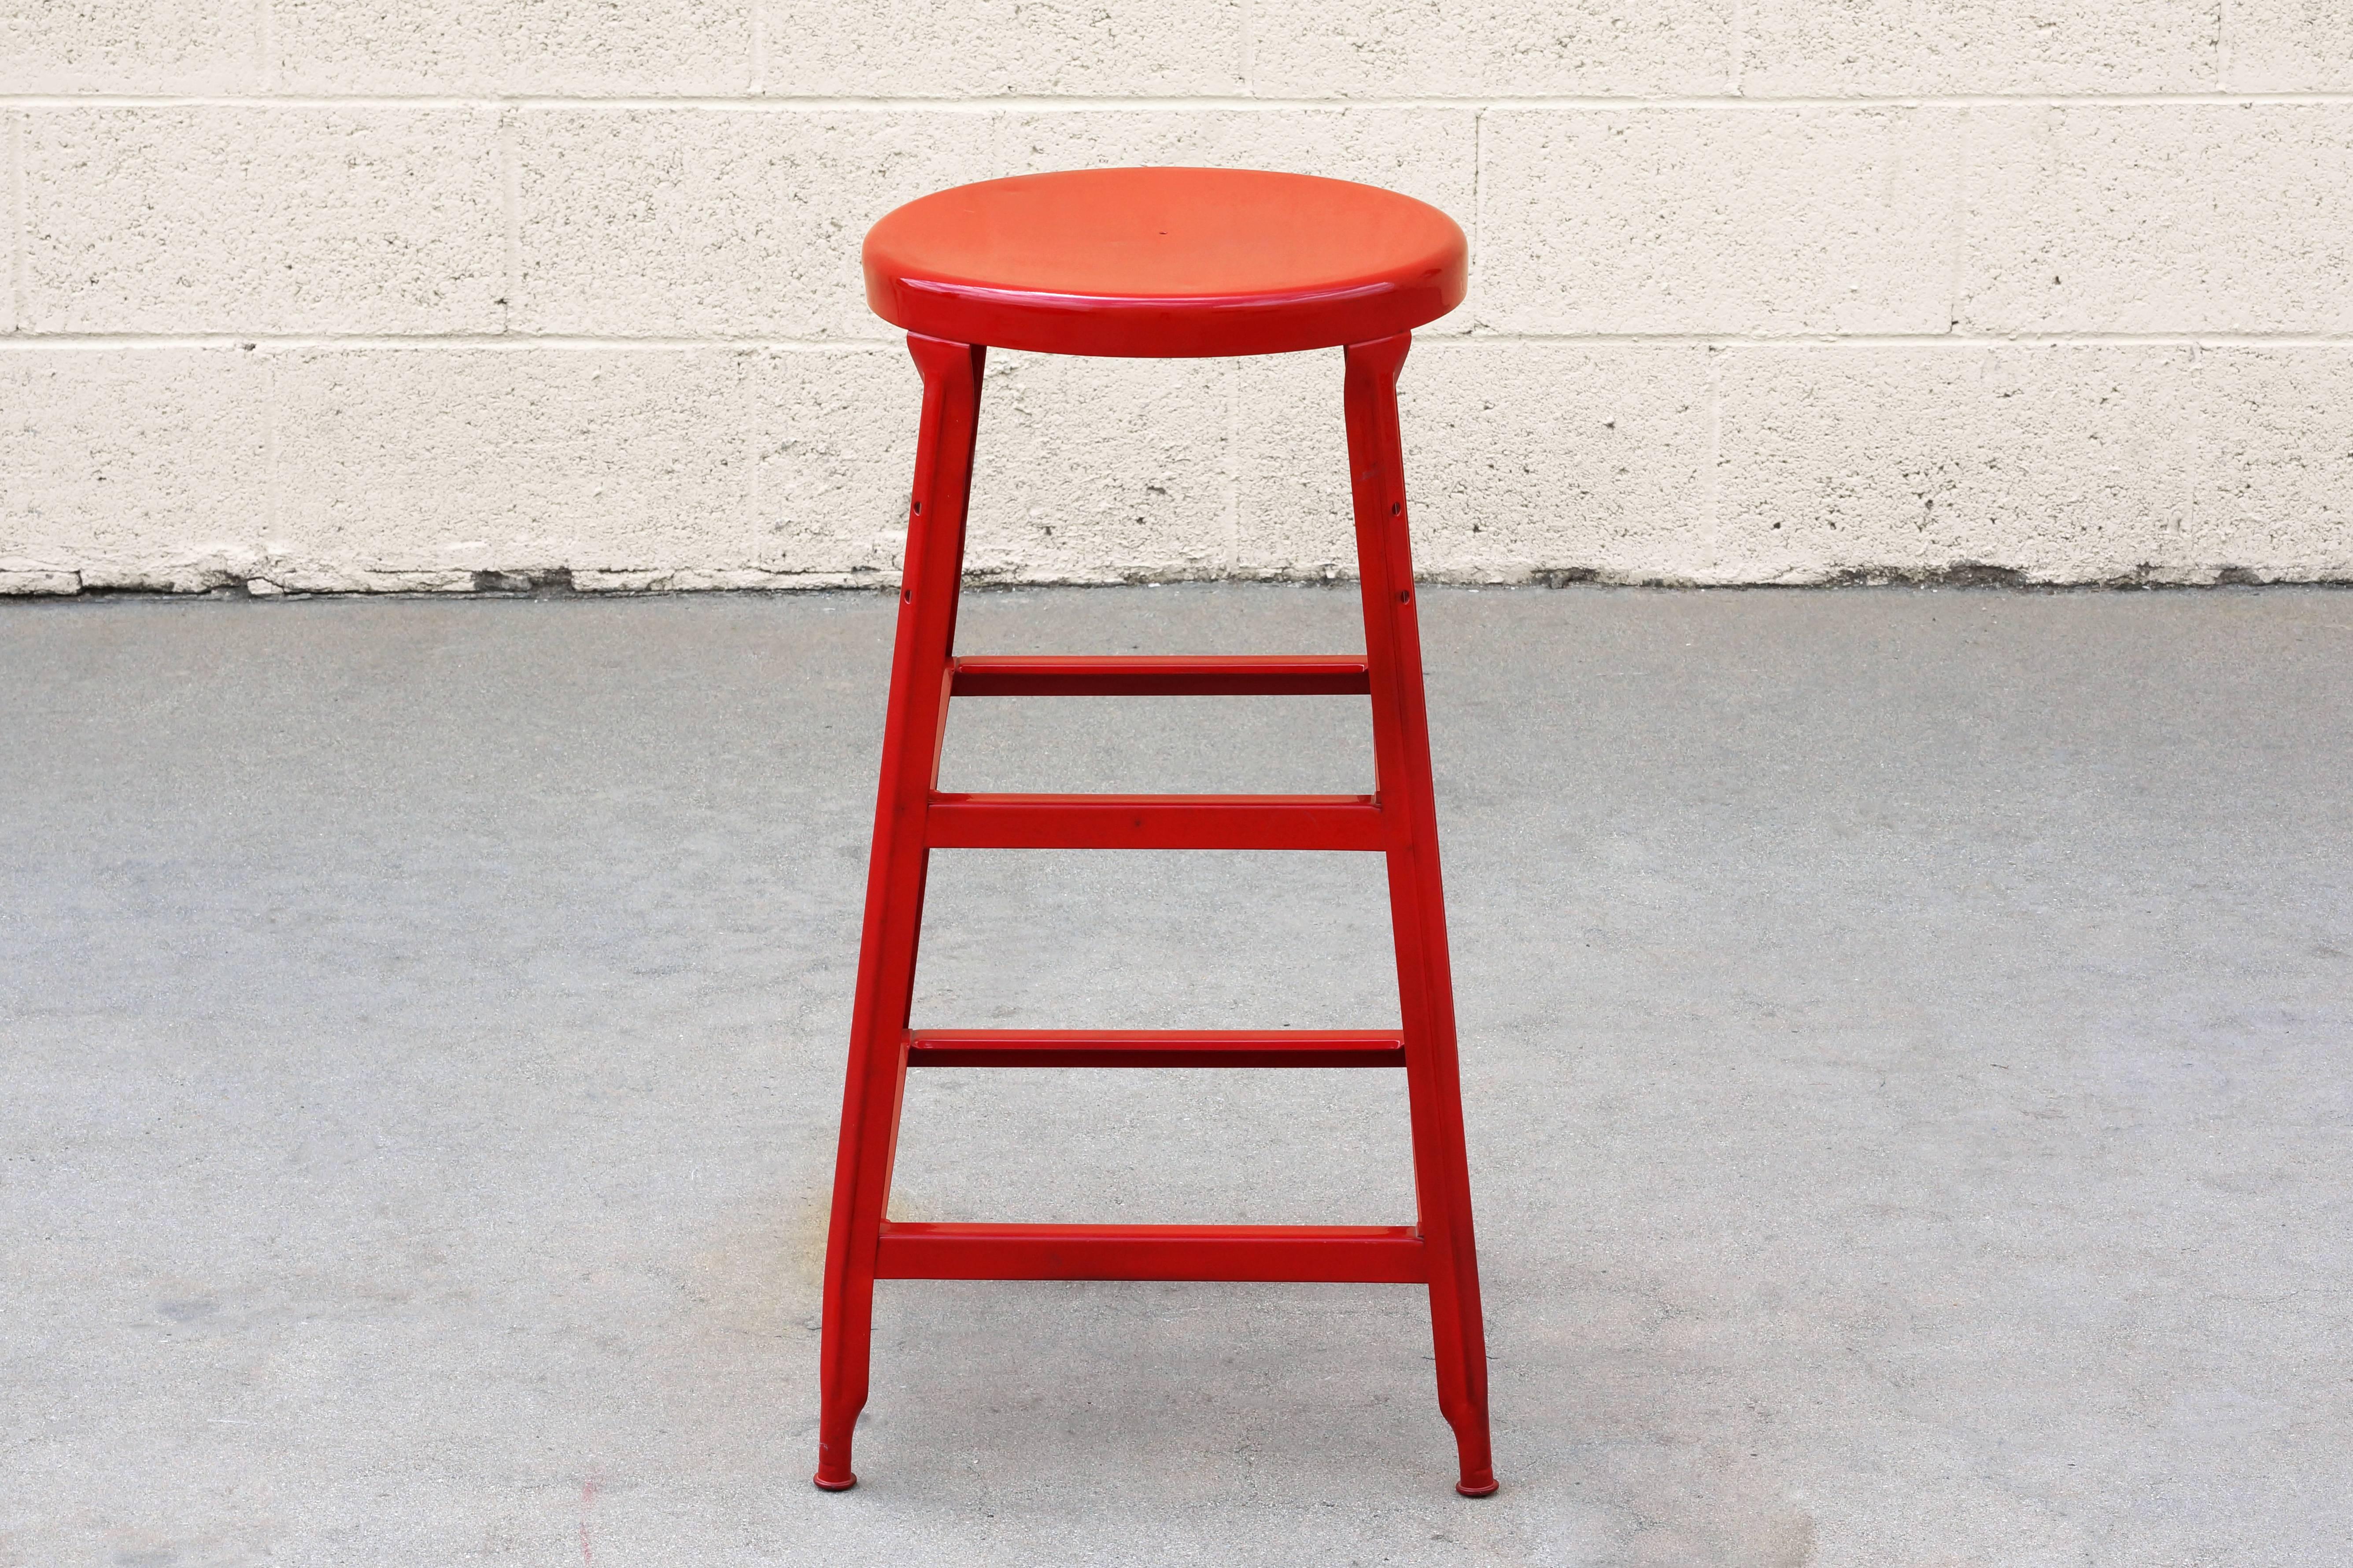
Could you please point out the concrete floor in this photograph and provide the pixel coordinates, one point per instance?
(1907, 1037)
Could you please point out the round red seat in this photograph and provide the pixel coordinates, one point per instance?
(1165, 263)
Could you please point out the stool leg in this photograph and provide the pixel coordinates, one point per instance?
(1417, 902)
(894, 887)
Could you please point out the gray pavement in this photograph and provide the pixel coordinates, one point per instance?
(1907, 1037)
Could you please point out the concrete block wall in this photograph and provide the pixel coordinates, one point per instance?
(356, 295)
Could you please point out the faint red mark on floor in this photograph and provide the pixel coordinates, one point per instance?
(587, 1501)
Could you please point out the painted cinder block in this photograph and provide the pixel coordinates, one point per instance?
(716, 465)
(680, 466)
(748, 223)
(718, 222)
(1542, 460)
(129, 46)
(1490, 49)
(1717, 221)
(1100, 469)
(983, 49)
(652, 48)
(1427, 153)
(12, 164)
(141, 468)
(226, 219)
(2064, 464)
(1523, 459)
(1834, 47)
(2159, 218)
(2288, 46)
(834, 437)
(2274, 491)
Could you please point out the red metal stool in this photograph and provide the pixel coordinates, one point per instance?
(1155, 263)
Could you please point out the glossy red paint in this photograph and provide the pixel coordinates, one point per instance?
(1165, 263)
(1157, 822)
(1162, 675)
(1354, 1254)
(1156, 1048)
(1024, 259)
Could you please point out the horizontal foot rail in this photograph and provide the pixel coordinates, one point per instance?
(1370, 1255)
(1154, 1049)
(1156, 822)
(1160, 675)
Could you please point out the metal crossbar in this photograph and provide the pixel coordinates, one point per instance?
(1160, 675)
(1156, 822)
(1365, 1255)
(1156, 1048)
